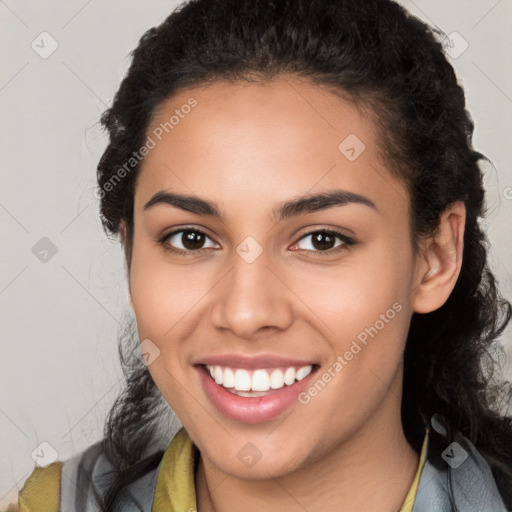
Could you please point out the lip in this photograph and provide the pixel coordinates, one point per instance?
(253, 409)
(253, 362)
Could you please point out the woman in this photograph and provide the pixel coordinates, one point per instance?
(297, 196)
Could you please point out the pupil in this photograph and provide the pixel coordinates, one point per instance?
(192, 239)
(327, 241)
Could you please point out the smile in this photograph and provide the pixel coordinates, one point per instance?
(253, 390)
(245, 382)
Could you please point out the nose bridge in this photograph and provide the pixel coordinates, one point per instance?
(250, 296)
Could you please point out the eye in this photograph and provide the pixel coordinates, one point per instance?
(324, 241)
(186, 240)
(192, 240)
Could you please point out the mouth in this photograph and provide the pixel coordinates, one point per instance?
(258, 382)
(257, 394)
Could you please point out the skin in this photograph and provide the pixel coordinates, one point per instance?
(249, 148)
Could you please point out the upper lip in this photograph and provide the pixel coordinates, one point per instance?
(252, 362)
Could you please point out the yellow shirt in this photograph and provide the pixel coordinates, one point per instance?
(175, 488)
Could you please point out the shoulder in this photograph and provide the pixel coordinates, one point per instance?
(456, 474)
(41, 490)
(77, 483)
(46, 486)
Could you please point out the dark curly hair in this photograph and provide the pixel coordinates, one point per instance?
(376, 54)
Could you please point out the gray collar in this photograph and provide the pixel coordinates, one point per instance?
(454, 478)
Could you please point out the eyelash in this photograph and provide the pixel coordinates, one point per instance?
(347, 242)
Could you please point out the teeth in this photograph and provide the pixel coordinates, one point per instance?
(276, 379)
(228, 378)
(260, 381)
(242, 380)
(289, 376)
(303, 372)
(257, 380)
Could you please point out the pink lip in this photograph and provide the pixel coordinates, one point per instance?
(252, 362)
(252, 409)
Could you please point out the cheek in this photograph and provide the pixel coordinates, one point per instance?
(352, 296)
(365, 309)
(162, 294)
(163, 301)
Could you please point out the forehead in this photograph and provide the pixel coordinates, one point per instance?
(240, 143)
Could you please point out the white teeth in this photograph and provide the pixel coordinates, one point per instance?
(242, 380)
(228, 378)
(276, 379)
(261, 380)
(303, 372)
(289, 376)
(218, 375)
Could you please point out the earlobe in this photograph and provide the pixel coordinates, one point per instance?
(440, 261)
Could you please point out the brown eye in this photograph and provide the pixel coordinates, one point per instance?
(324, 241)
(186, 240)
(192, 240)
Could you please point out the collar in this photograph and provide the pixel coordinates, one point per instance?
(175, 486)
(451, 476)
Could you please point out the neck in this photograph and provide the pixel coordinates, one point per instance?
(373, 470)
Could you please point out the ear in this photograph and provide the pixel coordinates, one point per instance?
(439, 261)
(122, 235)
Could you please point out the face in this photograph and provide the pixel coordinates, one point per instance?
(299, 307)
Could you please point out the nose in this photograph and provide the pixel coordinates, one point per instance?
(252, 297)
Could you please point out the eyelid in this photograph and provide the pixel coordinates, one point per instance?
(347, 240)
(163, 239)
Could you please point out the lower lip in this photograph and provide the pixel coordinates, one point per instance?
(252, 409)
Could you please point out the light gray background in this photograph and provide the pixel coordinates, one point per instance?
(59, 364)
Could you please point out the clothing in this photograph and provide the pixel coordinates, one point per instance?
(177, 491)
(437, 486)
(174, 487)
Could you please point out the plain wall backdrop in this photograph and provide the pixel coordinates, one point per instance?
(63, 287)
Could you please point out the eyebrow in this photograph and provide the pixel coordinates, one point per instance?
(299, 206)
